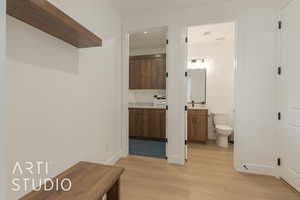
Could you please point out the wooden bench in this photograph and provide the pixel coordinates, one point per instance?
(90, 181)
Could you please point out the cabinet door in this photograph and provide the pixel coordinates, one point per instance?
(137, 123)
(131, 74)
(197, 126)
(159, 73)
(145, 73)
(134, 74)
(156, 124)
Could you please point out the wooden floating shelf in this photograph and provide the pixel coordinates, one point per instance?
(43, 15)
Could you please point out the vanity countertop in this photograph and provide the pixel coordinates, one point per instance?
(198, 107)
(145, 106)
(152, 106)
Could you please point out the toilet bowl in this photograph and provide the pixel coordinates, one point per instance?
(223, 132)
(222, 128)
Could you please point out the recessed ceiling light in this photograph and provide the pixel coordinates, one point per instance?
(145, 32)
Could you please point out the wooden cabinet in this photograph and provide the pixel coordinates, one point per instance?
(156, 124)
(197, 125)
(147, 123)
(147, 72)
(137, 122)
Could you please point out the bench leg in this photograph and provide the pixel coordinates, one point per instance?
(114, 192)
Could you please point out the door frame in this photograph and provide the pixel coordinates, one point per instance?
(125, 88)
(3, 135)
(236, 52)
(125, 85)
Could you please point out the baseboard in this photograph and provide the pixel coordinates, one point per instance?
(114, 159)
(257, 169)
(176, 160)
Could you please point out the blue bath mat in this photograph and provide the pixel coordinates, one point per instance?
(154, 149)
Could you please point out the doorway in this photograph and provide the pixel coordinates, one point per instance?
(147, 93)
(210, 87)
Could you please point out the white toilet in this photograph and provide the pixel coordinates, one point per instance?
(222, 128)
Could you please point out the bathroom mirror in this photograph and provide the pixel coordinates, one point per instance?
(197, 86)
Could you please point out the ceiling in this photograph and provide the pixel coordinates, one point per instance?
(148, 39)
(156, 38)
(133, 6)
(211, 33)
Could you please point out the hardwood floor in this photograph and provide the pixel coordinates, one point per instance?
(208, 175)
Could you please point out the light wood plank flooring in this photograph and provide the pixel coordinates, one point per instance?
(208, 175)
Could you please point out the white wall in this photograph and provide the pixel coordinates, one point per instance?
(220, 76)
(65, 103)
(2, 100)
(144, 96)
(255, 80)
(220, 73)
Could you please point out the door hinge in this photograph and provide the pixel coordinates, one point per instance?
(167, 41)
(186, 74)
(186, 39)
(279, 162)
(279, 25)
(185, 108)
(185, 142)
(279, 70)
(166, 140)
(279, 116)
(167, 107)
(167, 74)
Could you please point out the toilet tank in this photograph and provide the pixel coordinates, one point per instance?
(221, 119)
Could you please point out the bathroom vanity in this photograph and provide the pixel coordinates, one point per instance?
(147, 122)
(197, 124)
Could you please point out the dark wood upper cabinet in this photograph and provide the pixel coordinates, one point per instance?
(197, 125)
(158, 78)
(147, 72)
(44, 16)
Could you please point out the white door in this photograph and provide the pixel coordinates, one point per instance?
(290, 55)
